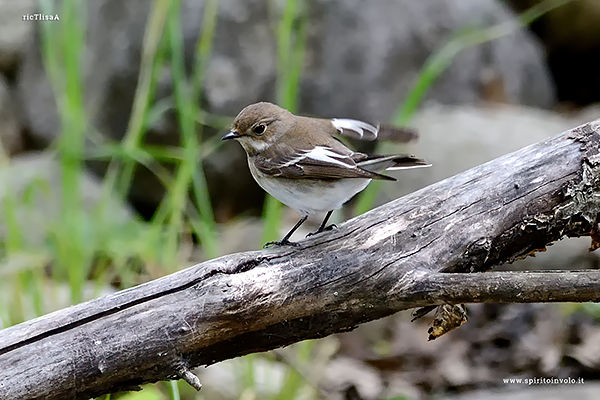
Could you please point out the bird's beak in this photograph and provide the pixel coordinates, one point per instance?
(231, 135)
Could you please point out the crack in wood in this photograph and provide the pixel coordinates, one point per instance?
(457, 211)
(403, 256)
(564, 177)
(333, 239)
(240, 268)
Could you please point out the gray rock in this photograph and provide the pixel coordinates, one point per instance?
(11, 141)
(14, 32)
(112, 56)
(456, 138)
(363, 60)
(36, 98)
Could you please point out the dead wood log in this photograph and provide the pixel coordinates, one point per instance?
(411, 252)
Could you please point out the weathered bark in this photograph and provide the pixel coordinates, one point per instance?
(411, 252)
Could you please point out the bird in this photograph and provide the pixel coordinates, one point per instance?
(299, 161)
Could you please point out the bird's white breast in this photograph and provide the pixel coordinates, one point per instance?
(309, 196)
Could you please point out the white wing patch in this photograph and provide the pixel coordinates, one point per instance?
(363, 130)
(320, 153)
(408, 167)
(294, 160)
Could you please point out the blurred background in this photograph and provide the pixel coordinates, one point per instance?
(112, 172)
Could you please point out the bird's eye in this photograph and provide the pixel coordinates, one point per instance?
(259, 129)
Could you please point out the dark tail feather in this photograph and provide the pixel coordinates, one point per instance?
(400, 161)
(408, 161)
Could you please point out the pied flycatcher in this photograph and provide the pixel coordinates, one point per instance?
(299, 161)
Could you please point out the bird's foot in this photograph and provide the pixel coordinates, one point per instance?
(327, 228)
(283, 242)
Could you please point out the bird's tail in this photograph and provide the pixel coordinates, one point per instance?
(399, 161)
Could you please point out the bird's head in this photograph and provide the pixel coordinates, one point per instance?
(259, 125)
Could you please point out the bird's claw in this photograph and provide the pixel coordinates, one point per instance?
(284, 242)
(327, 228)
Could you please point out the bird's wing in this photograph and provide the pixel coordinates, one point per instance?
(321, 162)
(355, 129)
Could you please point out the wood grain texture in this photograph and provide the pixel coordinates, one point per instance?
(411, 252)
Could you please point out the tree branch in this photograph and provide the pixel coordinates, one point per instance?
(512, 287)
(409, 253)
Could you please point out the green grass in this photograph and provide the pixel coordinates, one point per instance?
(63, 55)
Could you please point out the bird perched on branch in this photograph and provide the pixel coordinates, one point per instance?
(299, 161)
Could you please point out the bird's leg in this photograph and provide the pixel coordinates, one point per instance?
(285, 241)
(323, 226)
